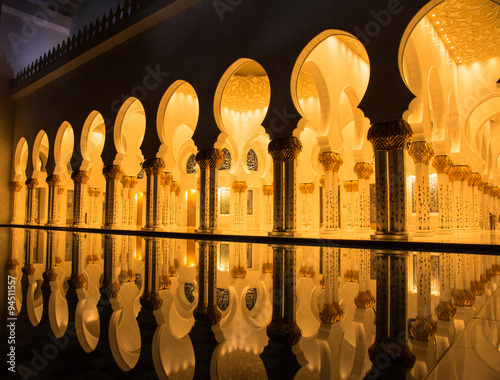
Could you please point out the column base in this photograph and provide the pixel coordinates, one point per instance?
(159, 229)
(365, 229)
(444, 232)
(391, 236)
(476, 229)
(207, 231)
(330, 231)
(111, 227)
(287, 233)
(79, 225)
(423, 233)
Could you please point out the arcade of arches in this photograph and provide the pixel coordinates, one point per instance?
(436, 170)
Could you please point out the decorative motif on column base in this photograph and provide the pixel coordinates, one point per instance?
(423, 233)
(284, 330)
(151, 301)
(445, 311)
(444, 232)
(112, 227)
(390, 236)
(463, 297)
(161, 229)
(423, 328)
(364, 300)
(477, 288)
(77, 281)
(329, 231)
(399, 354)
(288, 233)
(331, 313)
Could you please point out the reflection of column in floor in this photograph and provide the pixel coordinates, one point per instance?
(424, 327)
(363, 316)
(390, 354)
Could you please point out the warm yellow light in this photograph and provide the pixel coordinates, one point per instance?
(434, 15)
(437, 22)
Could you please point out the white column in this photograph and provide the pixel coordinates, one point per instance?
(240, 210)
(92, 198)
(16, 188)
(80, 179)
(364, 171)
(422, 153)
(133, 203)
(174, 193)
(350, 210)
(442, 164)
(166, 182)
(125, 181)
(456, 175)
(267, 192)
(331, 163)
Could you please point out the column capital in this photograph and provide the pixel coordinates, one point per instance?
(112, 172)
(348, 186)
(239, 186)
(167, 178)
(310, 188)
(475, 179)
(322, 181)
(480, 185)
(133, 182)
(125, 181)
(16, 186)
(284, 149)
(53, 180)
(302, 188)
(487, 188)
(91, 191)
(459, 173)
(31, 183)
(80, 176)
(97, 191)
(330, 161)
(209, 158)
(390, 135)
(153, 166)
(355, 186)
(363, 170)
(442, 164)
(174, 187)
(495, 191)
(421, 152)
(60, 189)
(267, 189)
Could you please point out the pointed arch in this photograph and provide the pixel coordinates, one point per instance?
(21, 159)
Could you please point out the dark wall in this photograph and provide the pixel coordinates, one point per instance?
(199, 44)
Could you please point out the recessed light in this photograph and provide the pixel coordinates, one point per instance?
(434, 15)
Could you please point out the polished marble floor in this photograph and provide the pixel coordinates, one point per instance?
(220, 299)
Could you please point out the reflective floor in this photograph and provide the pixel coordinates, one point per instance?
(122, 306)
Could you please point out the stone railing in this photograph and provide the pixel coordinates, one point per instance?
(78, 43)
